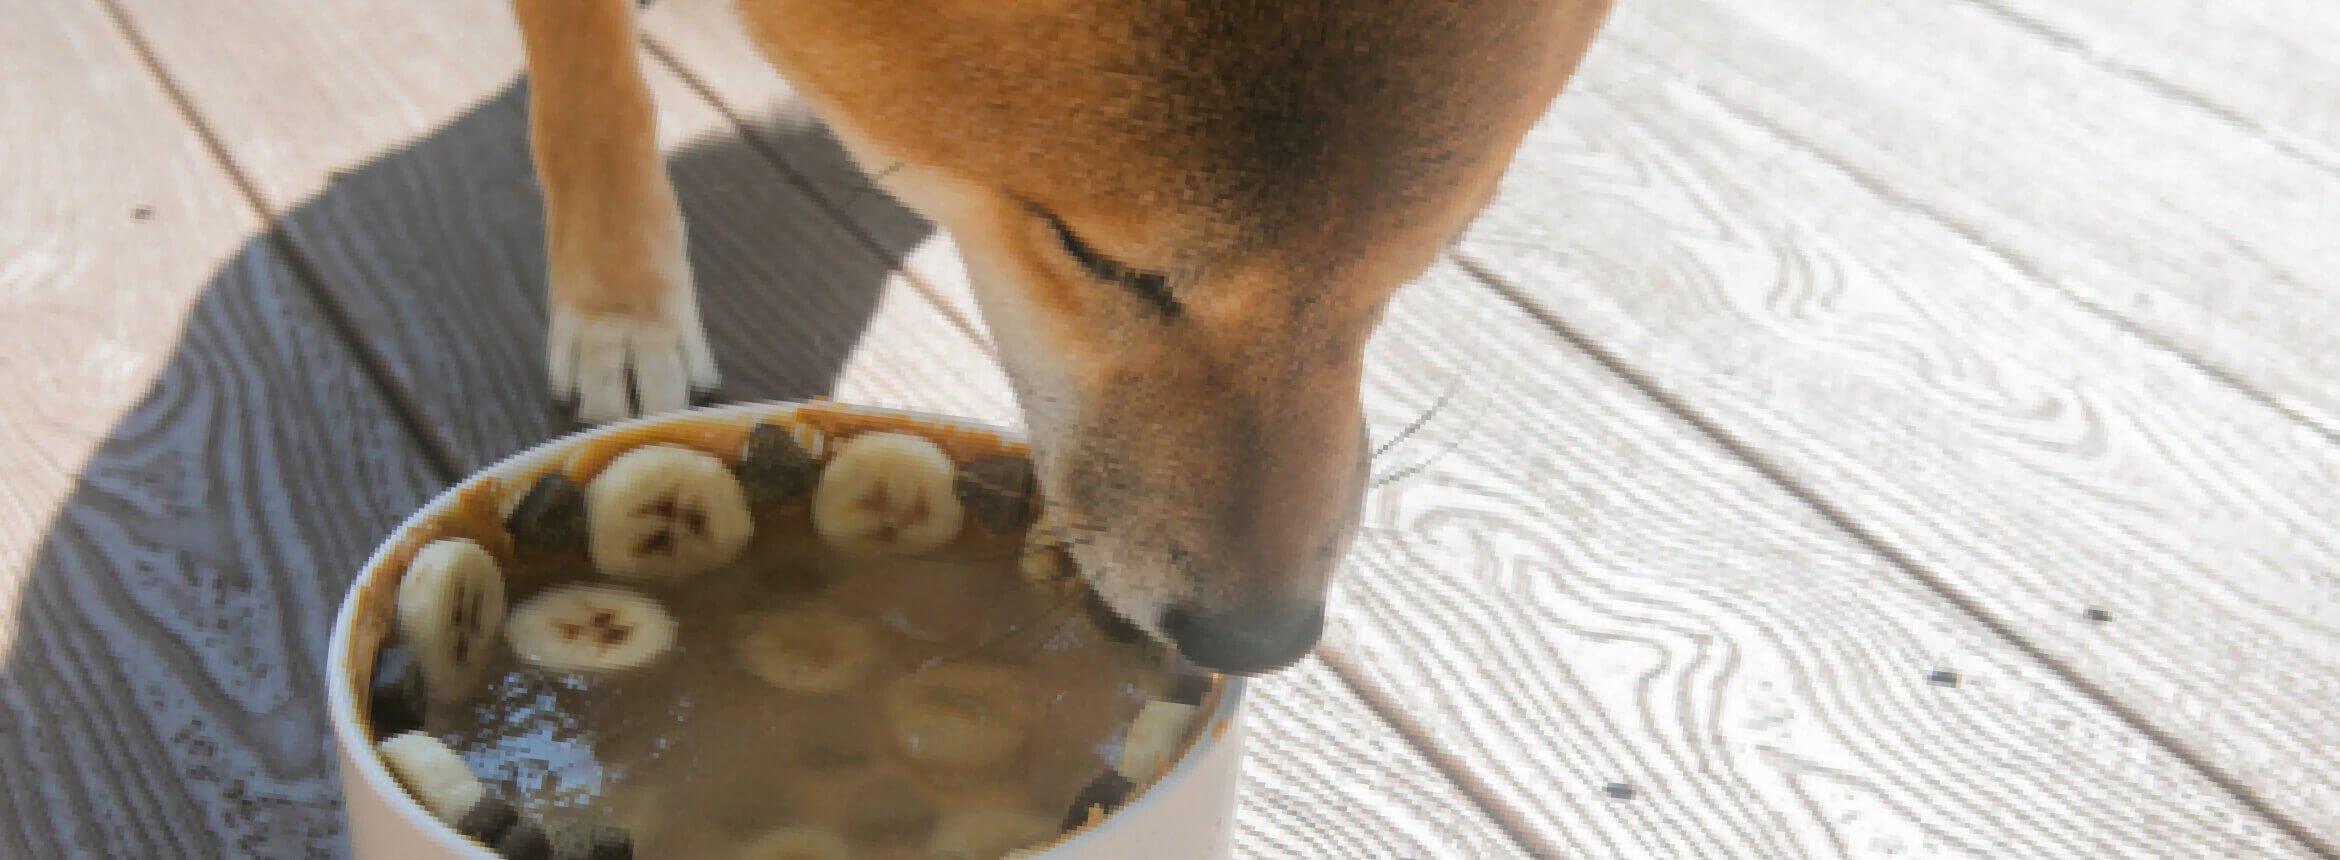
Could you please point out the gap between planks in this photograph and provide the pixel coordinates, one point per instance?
(1737, 448)
(435, 450)
(739, 125)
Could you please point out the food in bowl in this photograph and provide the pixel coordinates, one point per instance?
(820, 633)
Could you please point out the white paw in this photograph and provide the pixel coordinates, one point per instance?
(618, 367)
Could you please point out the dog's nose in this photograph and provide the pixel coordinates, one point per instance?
(1249, 640)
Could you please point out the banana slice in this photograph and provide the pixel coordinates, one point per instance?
(1152, 744)
(450, 604)
(988, 834)
(887, 494)
(798, 843)
(590, 628)
(960, 715)
(808, 651)
(434, 775)
(889, 807)
(665, 512)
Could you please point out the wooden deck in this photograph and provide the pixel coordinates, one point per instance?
(1878, 428)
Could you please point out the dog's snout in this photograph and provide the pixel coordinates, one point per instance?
(1248, 640)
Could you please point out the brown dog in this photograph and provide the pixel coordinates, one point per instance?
(1182, 220)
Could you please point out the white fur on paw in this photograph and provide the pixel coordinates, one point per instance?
(617, 367)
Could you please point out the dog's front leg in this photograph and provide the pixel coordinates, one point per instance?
(625, 334)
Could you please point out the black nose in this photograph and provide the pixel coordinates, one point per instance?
(1250, 640)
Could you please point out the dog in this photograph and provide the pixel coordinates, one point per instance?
(1182, 220)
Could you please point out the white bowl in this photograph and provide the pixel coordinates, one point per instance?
(1186, 815)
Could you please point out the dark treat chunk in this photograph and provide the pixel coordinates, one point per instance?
(1103, 794)
(1109, 621)
(888, 808)
(395, 701)
(551, 516)
(1189, 689)
(488, 821)
(593, 842)
(525, 841)
(998, 492)
(772, 467)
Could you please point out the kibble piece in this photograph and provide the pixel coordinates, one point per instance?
(593, 842)
(1190, 688)
(1098, 799)
(551, 516)
(774, 467)
(997, 491)
(397, 699)
(525, 841)
(610, 843)
(488, 820)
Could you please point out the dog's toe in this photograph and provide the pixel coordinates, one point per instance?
(610, 368)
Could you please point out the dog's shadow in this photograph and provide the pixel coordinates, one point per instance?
(163, 693)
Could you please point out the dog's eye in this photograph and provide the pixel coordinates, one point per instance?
(1151, 286)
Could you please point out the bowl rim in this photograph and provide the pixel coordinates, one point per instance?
(341, 694)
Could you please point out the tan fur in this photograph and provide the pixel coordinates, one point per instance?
(1278, 168)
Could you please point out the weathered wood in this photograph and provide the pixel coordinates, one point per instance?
(1585, 592)
(1568, 589)
(1323, 778)
(430, 231)
(2265, 65)
(2026, 458)
(704, 39)
(194, 468)
(2200, 216)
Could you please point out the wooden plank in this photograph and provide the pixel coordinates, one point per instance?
(2263, 65)
(1557, 560)
(430, 229)
(704, 38)
(2029, 459)
(703, 41)
(2204, 227)
(381, 226)
(1323, 778)
(195, 468)
(1586, 569)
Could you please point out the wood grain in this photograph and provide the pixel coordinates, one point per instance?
(1812, 770)
(1569, 589)
(195, 468)
(2185, 190)
(1586, 593)
(2029, 458)
(422, 213)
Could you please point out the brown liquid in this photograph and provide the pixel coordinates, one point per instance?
(698, 757)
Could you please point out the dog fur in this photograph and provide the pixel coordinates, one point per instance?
(1182, 220)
